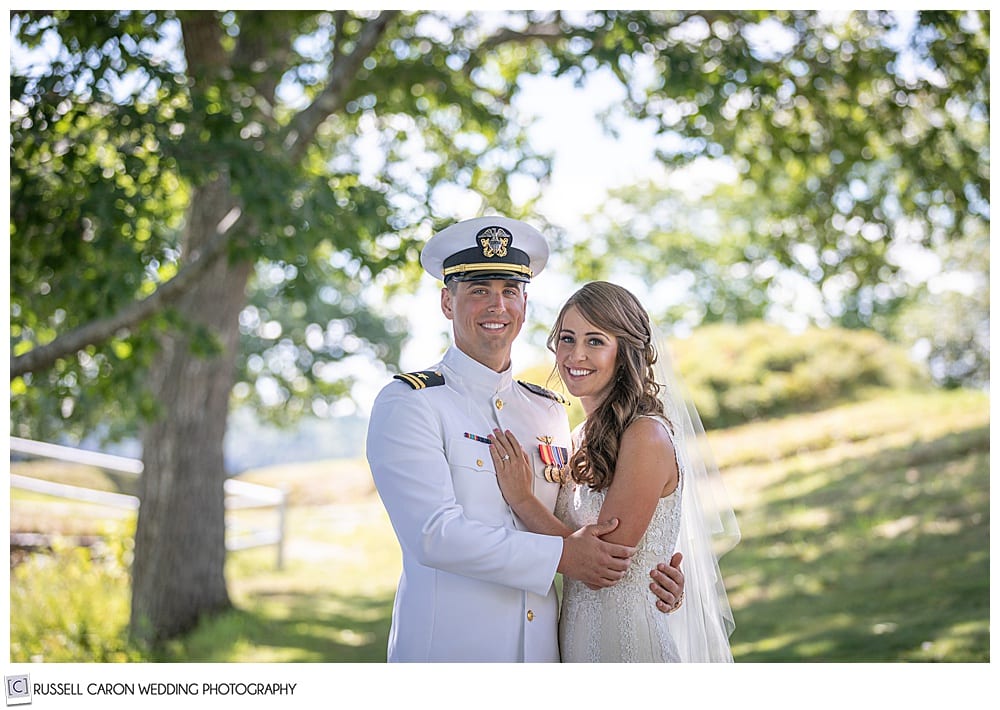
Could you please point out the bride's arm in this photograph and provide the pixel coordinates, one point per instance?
(515, 477)
(646, 470)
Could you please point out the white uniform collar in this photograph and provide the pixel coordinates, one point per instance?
(473, 375)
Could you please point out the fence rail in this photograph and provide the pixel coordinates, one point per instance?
(240, 495)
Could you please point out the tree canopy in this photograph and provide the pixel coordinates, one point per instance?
(854, 145)
(853, 141)
(108, 142)
(850, 138)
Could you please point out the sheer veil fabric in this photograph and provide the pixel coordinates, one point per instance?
(702, 626)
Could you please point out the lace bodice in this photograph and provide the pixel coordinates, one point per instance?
(621, 623)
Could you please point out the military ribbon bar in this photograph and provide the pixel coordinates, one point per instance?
(555, 459)
(553, 455)
(476, 437)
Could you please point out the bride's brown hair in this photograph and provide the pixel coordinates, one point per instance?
(634, 391)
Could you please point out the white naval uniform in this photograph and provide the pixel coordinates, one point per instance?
(476, 586)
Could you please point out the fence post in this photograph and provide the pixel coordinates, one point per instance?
(282, 509)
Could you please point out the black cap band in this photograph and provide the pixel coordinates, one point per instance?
(493, 258)
(469, 265)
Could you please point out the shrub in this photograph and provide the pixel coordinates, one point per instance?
(753, 371)
(72, 605)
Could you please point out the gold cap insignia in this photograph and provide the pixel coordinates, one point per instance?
(494, 241)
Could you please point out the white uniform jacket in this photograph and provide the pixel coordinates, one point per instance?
(476, 586)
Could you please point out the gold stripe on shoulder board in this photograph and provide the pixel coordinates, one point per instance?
(421, 380)
(412, 381)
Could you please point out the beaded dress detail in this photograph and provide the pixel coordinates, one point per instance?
(620, 624)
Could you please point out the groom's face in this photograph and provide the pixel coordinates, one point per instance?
(486, 316)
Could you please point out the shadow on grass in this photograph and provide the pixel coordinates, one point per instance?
(315, 626)
(881, 558)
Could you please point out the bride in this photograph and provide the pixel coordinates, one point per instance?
(635, 458)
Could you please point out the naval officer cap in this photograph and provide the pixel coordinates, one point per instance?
(485, 248)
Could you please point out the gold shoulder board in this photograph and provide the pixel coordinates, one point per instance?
(536, 389)
(421, 380)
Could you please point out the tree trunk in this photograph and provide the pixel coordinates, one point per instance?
(178, 569)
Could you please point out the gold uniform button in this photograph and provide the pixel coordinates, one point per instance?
(499, 404)
(479, 462)
(531, 615)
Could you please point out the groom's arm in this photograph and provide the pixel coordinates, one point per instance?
(668, 584)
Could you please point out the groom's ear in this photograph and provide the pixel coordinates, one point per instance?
(446, 306)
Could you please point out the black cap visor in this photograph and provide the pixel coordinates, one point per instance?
(487, 276)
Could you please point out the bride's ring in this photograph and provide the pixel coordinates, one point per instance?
(506, 457)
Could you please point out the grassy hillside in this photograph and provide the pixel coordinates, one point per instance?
(865, 538)
(865, 532)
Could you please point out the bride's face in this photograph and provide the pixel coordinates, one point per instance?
(586, 357)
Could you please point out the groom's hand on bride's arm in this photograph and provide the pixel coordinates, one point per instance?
(668, 584)
(588, 558)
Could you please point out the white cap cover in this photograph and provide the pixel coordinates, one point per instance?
(486, 248)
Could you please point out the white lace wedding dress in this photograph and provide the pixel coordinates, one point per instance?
(620, 624)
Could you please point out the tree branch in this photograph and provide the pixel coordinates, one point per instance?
(98, 331)
(262, 51)
(338, 35)
(343, 69)
(548, 33)
(202, 39)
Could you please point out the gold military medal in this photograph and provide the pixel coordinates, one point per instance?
(555, 459)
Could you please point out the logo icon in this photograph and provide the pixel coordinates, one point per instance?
(494, 241)
(18, 689)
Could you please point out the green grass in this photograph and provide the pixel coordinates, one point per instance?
(331, 602)
(874, 547)
(865, 538)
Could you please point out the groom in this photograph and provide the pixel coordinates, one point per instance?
(476, 585)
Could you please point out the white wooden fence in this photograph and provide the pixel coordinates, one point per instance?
(239, 494)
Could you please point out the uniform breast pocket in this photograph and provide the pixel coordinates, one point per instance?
(474, 480)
